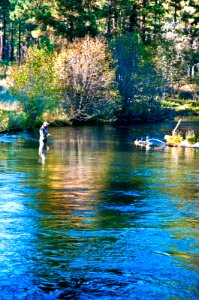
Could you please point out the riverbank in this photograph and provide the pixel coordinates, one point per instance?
(12, 117)
(182, 107)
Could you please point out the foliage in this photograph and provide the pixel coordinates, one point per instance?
(174, 140)
(138, 82)
(4, 68)
(87, 79)
(16, 121)
(76, 18)
(11, 120)
(33, 84)
(182, 107)
(3, 121)
(191, 137)
(174, 58)
(155, 44)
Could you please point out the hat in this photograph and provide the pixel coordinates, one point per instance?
(45, 123)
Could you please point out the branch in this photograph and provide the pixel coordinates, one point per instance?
(173, 132)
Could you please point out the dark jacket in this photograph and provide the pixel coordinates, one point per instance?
(43, 133)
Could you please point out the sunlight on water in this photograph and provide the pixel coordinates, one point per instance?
(10, 206)
(99, 218)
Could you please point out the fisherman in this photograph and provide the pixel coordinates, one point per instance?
(43, 131)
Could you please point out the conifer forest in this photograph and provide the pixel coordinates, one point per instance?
(94, 60)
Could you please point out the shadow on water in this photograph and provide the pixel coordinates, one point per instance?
(101, 218)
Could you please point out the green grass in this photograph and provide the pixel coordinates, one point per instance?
(186, 107)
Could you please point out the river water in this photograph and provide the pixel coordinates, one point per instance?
(99, 218)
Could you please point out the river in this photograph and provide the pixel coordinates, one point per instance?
(99, 218)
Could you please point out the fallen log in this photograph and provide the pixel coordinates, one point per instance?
(158, 143)
(174, 140)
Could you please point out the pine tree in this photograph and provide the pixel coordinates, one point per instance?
(4, 10)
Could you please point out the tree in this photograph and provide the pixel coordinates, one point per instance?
(33, 84)
(75, 18)
(87, 79)
(139, 83)
(4, 8)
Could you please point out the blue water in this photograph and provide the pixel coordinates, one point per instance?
(99, 218)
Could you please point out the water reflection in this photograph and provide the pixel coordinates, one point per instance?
(100, 219)
(43, 148)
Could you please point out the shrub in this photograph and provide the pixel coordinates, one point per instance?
(3, 69)
(174, 140)
(3, 121)
(11, 120)
(191, 137)
(33, 84)
(86, 78)
(16, 121)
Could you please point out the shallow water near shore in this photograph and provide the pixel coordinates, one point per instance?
(99, 218)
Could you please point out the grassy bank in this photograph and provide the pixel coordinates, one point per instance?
(13, 119)
(182, 107)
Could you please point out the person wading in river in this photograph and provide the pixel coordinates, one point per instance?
(43, 131)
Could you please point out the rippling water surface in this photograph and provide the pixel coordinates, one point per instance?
(100, 218)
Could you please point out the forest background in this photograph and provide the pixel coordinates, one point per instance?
(80, 61)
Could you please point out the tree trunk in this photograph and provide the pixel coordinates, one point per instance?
(12, 58)
(133, 19)
(4, 38)
(143, 22)
(155, 18)
(175, 13)
(19, 43)
(111, 18)
(109, 21)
